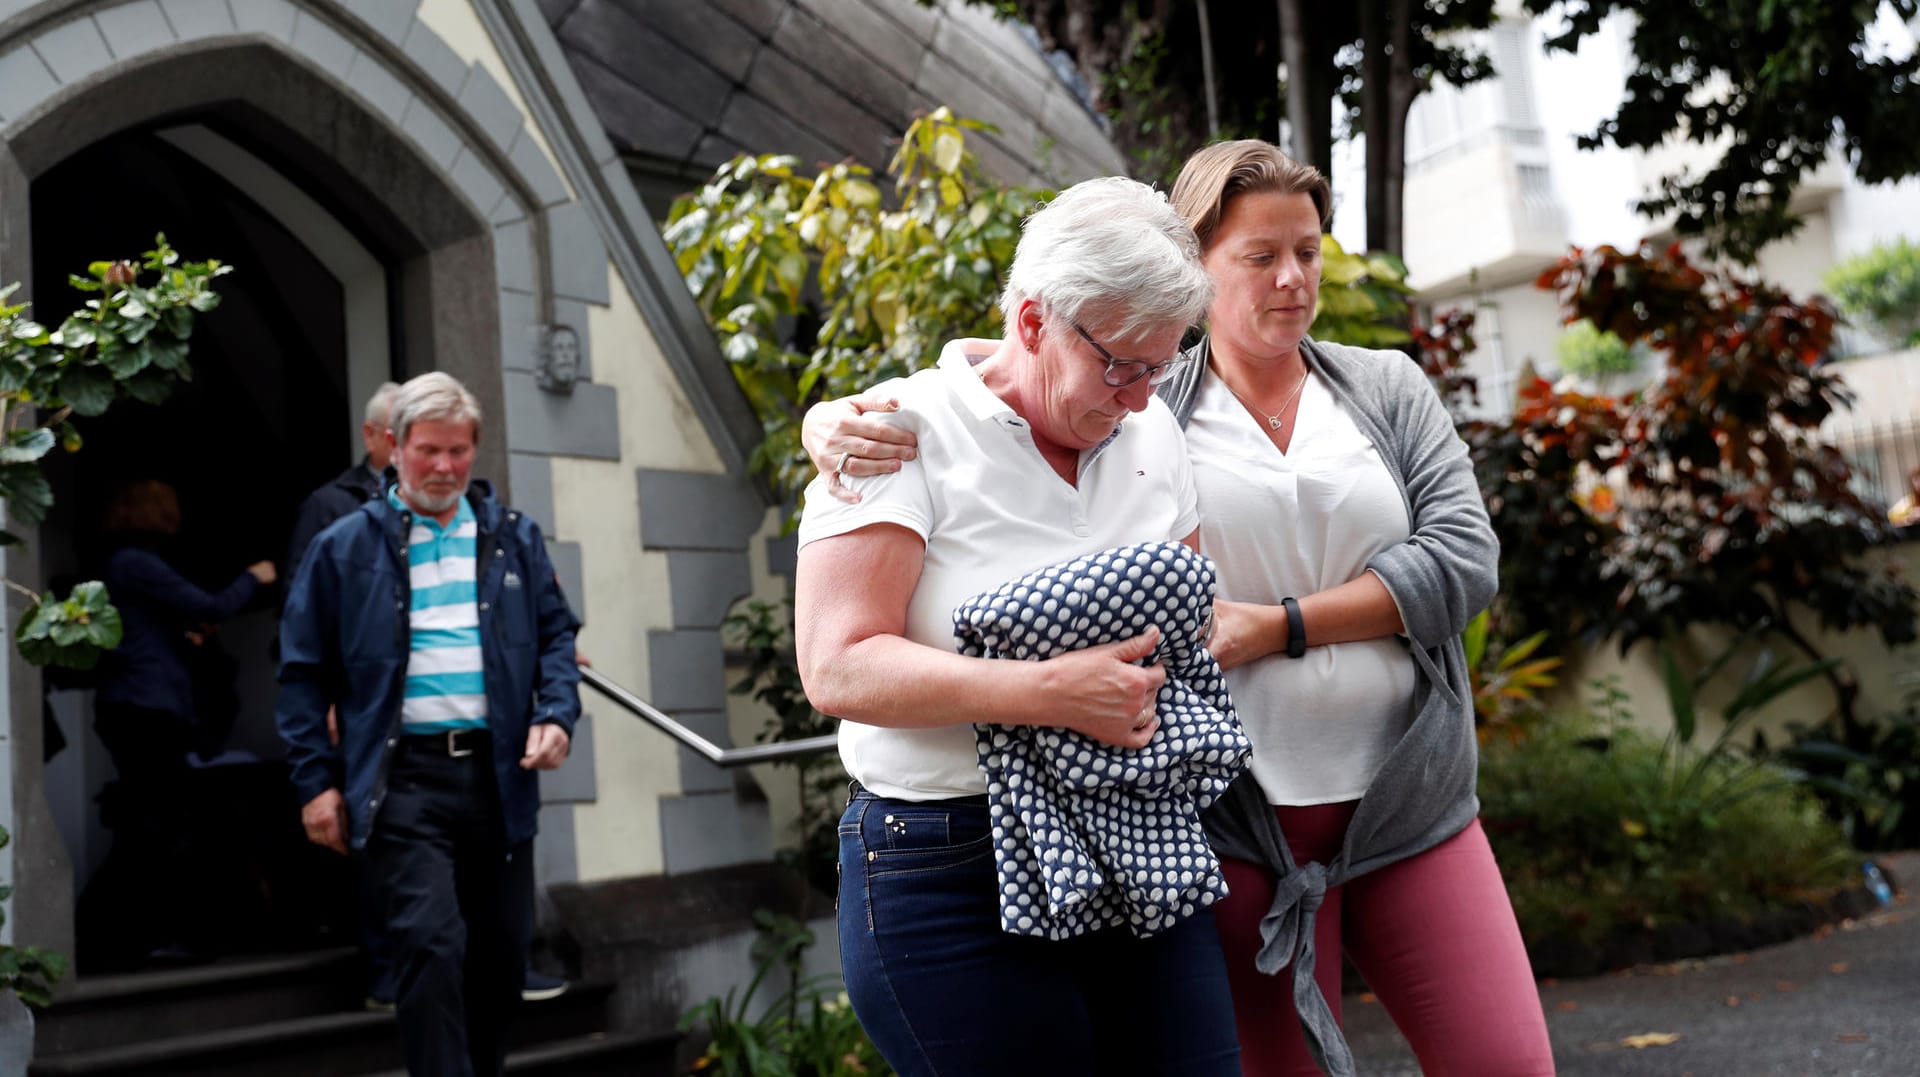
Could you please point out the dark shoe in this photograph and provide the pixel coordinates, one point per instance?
(539, 987)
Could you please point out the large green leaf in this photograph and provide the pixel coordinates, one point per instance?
(26, 446)
(87, 389)
(26, 491)
(1679, 694)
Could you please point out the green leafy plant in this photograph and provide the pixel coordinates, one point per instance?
(1709, 498)
(1586, 352)
(1600, 828)
(27, 971)
(1882, 289)
(1765, 681)
(1868, 777)
(822, 285)
(129, 340)
(1507, 680)
(1363, 297)
(808, 1031)
(71, 632)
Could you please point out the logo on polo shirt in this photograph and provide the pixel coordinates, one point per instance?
(512, 581)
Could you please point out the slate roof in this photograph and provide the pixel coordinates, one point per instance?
(683, 85)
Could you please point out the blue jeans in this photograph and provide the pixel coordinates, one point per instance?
(942, 991)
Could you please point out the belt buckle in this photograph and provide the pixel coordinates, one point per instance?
(454, 751)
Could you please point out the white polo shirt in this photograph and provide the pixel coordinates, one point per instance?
(991, 508)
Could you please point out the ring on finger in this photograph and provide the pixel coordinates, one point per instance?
(841, 468)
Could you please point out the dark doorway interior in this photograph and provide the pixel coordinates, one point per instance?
(259, 426)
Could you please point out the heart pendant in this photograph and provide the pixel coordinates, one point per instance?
(1273, 421)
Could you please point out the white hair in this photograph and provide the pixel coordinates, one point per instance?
(435, 395)
(1112, 253)
(380, 404)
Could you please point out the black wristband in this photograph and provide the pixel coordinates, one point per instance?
(1296, 628)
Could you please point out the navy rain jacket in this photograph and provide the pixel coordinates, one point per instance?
(345, 639)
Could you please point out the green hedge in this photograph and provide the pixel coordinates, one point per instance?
(1602, 829)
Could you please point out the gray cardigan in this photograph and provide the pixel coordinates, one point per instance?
(1443, 574)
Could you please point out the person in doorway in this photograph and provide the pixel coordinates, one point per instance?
(1341, 510)
(443, 726)
(146, 710)
(351, 488)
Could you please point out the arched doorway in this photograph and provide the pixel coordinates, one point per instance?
(270, 413)
(246, 150)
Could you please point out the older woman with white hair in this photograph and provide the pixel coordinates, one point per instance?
(1040, 447)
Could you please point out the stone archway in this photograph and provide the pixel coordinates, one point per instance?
(423, 154)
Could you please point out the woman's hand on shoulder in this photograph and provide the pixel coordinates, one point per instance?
(1104, 693)
(842, 441)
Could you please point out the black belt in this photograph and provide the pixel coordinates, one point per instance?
(454, 743)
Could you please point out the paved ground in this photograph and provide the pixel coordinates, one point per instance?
(1842, 1003)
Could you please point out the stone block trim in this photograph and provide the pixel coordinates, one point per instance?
(477, 182)
(271, 17)
(708, 830)
(574, 782)
(379, 87)
(73, 50)
(192, 19)
(520, 329)
(556, 851)
(133, 28)
(706, 584)
(322, 45)
(533, 164)
(435, 136)
(489, 106)
(696, 774)
(531, 475)
(568, 560)
(585, 422)
(689, 671)
(694, 510)
(513, 256)
(435, 57)
(389, 18)
(578, 255)
(27, 83)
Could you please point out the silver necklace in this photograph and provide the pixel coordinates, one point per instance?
(1273, 421)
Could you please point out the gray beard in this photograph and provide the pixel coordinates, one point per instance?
(424, 502)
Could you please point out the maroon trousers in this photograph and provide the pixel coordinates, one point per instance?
(1434, 935)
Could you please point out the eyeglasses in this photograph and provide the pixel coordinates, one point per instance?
(1124, 372)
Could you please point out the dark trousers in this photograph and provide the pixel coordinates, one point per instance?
(459, 909)
(154, 836)
(942, 990)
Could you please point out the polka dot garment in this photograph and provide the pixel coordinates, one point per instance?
(1087, 835)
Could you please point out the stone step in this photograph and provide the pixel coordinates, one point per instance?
(325, 1044)
(99, 1012)
(598, 1055)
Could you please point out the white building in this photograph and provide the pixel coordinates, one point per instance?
(1497, 190)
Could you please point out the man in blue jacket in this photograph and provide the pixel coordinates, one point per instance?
(432, 619)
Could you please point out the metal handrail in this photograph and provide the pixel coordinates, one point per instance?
(778, 751)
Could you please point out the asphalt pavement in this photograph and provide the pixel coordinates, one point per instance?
(1843, 1002)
